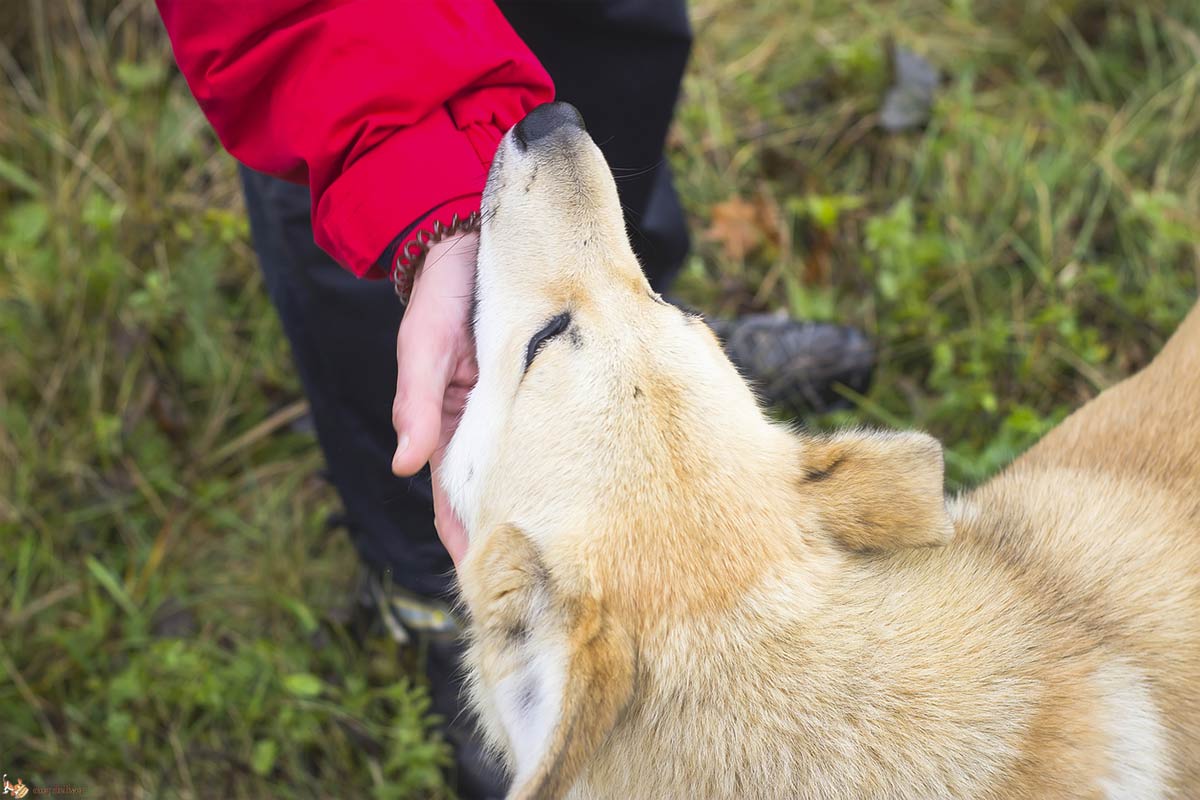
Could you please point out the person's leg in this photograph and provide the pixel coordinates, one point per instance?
(342, 332)
(621, 63)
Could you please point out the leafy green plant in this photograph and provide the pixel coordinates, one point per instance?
(1033, 243)
(170, 596)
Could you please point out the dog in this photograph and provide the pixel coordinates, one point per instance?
(672, 596)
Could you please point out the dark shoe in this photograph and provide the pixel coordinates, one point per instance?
(797, 366)
(408, 618)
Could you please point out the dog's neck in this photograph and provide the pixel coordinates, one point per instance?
(715, 485)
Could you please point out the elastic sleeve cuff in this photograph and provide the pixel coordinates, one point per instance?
(357, 217)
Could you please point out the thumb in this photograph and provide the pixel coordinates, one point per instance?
(423, 373)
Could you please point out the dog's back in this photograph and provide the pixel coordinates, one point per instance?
(1051, 650)
(1101, 519)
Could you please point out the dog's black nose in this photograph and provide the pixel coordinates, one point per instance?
(545, 120)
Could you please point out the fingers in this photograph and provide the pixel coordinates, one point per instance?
(423, 372)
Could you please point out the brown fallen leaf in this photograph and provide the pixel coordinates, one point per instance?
(740, 227)
(734, 227)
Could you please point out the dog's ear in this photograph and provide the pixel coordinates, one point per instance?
(877, 491)
(598, 686)
(563, 642)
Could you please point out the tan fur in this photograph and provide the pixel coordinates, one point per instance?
(748, 612)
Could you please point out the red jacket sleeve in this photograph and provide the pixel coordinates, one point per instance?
(388, 109)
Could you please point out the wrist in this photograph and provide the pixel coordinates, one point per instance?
(439, 228)
(444, 282)
(463, 242)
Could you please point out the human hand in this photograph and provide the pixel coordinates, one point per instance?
(435, 357)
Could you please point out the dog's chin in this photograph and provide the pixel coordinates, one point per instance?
(471, 449)
(458, 479)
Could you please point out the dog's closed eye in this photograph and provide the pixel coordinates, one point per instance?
(553, 328)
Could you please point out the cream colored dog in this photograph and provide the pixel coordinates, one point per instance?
(674, 597)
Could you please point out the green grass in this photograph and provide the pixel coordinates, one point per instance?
(171, 601)
(170, 597)
(1037, 241)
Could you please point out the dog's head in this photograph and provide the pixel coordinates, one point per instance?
(611, 435)
(596, 397)
(583, 369)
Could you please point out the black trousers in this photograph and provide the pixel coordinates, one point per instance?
(620, 62)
